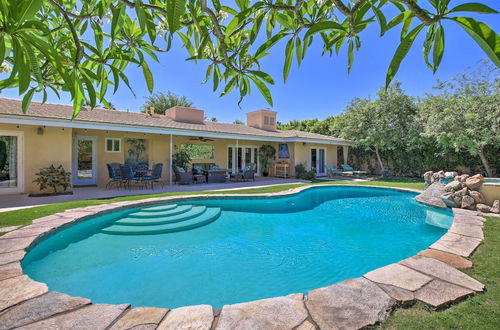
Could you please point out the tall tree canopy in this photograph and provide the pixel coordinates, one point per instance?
(466, 112)
(83, 47)
(163, 101)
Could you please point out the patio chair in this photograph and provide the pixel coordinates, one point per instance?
(248, 173)
(350, 169)
(155, 176)
(332, 171)
(114, 178)
(182, 176)
(128, 176)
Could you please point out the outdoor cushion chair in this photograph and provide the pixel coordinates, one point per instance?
(350, 169)
(248, 173)
(114, 178)
(128, 176)
(332, 171)
(155, 176)
(182, 176)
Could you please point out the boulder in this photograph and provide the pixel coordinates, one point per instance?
(474, 182)
(453, 186)
(495, 208)
(478, 197)
(428, 175)
(483, 208)
(457, 198)
(462, 192)
(435, 177)
(431, 196)
(467, 202)
(441, 174)
(450, 175)
(447, 198)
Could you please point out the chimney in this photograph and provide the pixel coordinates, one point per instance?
(263, 119)
(185, 114)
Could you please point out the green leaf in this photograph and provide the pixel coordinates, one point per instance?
(264, 76)
(298, 51)
(400, 54)
(263, 90)
(323, 26)
(175, 9)
(429, 38)
(382, 21)
(236, 22)
(406, 27)
(288, 58)
(117, 21)
(474, 7)
(148, 76)
(438, 50)
(30, 10)
(398, 19)
(350, 56)
(22, 66)
(78, 97)
(27, 100)
(216, 78)
(484, 36)
(269, 43)
(229, 87)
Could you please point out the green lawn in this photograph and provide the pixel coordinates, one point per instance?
(25, 216)
(481, 311)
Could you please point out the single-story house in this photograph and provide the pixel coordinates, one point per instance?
(47, 135)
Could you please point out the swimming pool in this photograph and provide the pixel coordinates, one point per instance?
(256, 248)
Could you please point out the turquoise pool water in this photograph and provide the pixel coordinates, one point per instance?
(257, 248)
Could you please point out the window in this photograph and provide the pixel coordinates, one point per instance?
(113, 145)
(266, 120)
(199, 151)
(271, 120)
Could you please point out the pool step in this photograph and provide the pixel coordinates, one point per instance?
(178, 209)
(159, 208)
(194, 212)
(207, 216)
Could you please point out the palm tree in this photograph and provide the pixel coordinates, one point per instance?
(163, 101)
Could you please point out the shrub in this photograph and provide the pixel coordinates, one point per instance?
(181, 159)
(302, 173)
(266, 155)
(53, 177)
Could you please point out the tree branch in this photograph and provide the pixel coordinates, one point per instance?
(420, 12)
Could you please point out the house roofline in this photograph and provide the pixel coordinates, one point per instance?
(13, 119)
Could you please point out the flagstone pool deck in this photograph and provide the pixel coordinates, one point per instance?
(431, 276)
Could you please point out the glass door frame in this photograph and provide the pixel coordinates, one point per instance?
(318, 173)
(20, 163)
(86, 182)
(234, 168)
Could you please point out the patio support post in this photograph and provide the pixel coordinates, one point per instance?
(170, 161)
(345, 150)
(236, 156)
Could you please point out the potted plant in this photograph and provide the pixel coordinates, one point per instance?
(181, 159)
(266, 155)
(53, 177)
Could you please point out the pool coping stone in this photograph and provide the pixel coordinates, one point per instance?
(430, 277)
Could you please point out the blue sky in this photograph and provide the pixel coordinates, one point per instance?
(320, 87)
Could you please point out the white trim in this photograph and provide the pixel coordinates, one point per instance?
(112, 139)
(235, 155)
(170, 161)
(74, 156)
(20, 162)
(7, 119)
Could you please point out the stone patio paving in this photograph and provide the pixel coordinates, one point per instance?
(430, 277)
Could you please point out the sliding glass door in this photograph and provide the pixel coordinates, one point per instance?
(241, 156)
(11, 169)
(84, 161)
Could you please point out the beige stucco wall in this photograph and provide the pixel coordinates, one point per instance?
(302, 152)
(39, 151)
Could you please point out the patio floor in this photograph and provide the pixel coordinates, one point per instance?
(18, 201)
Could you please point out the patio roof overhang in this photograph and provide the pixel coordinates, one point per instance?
(20, 120)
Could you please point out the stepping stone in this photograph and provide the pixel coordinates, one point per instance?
(6, 258)
(466, 230)
(401, 295)
(140, 317)
(274, 313)
(28, 231)
(10, 270)
(450, 258)
(17, 289)
(351, 304)
(438, 293)
(39, 308)
(477, 221)
(95, 317)
(399, 276)
(457, 244)
(442, 271)
(159, 208)
(306, 326)
(7, 229)
(13, 244)
(199, 317)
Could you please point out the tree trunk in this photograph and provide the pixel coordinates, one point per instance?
(382, 169)
(485, 162)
